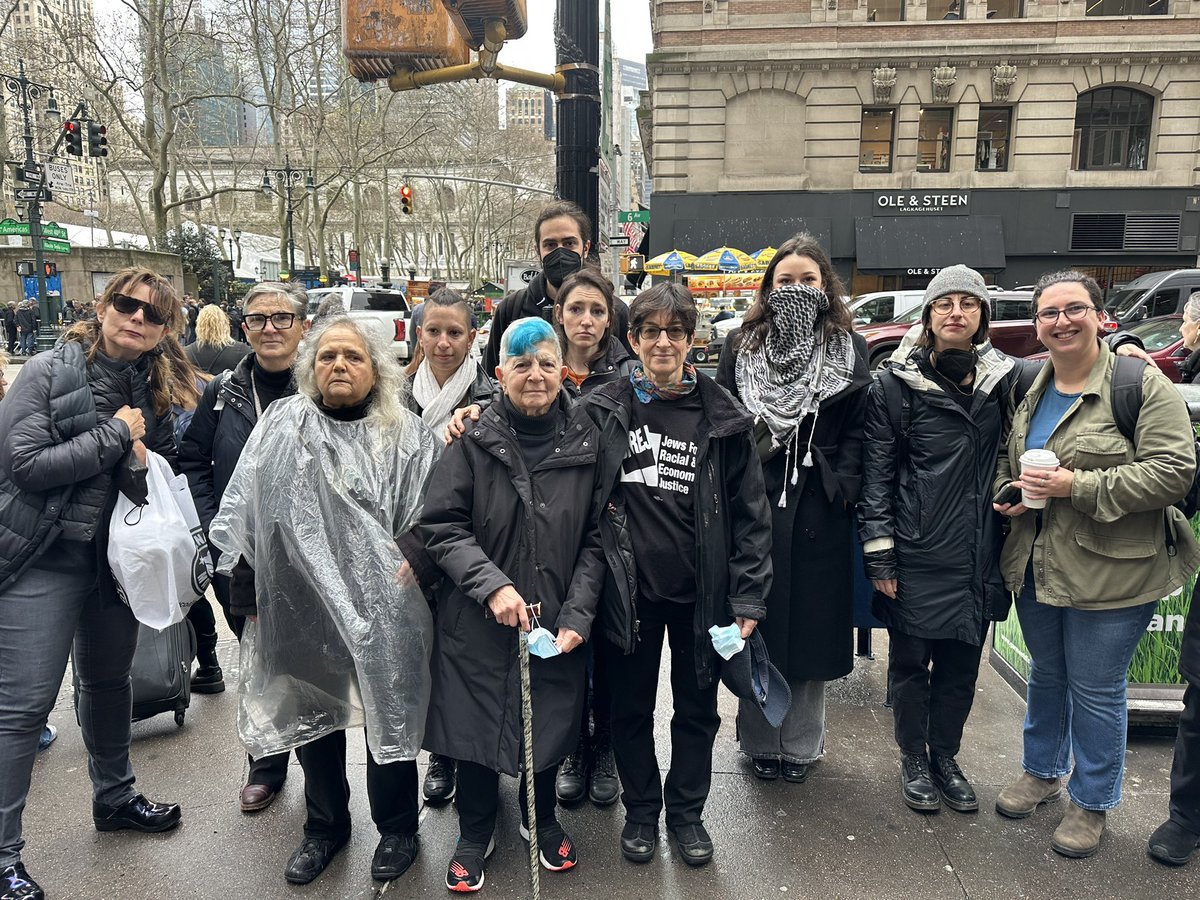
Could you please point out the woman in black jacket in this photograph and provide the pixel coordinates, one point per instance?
(76, 427)
(802, 373)
(214, 350)
(687, 536)
(930, 536)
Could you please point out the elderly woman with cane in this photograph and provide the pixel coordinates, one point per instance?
(328, 483)
(521, 552)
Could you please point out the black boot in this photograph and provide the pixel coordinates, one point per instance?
(208, 677)
(956, 791)
(920, 793)
(603, 785)
(572, 781)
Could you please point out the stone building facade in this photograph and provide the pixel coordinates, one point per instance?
(1014, 135)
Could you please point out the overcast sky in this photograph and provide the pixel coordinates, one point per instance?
(631, 25)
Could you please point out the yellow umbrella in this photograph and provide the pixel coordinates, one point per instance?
(723, 259)
(666, 263)
(763, 257)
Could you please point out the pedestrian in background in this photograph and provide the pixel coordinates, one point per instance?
(213, 349)
(28, 319)
(77, 425)
(208, 454)
(1189, 330)
(8, 316)
(510, 517)
(1089, 567)
(931, 540)
(341, 631)
(687, 537)
(802, 373)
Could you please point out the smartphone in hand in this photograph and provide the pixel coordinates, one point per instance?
(1007, 495)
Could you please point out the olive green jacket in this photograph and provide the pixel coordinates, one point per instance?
(1105, 546)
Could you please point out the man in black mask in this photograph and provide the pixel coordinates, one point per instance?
(560, 235)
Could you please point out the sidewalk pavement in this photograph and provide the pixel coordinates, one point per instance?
(845, 833)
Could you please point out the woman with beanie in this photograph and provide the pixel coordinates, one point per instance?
(802, 373)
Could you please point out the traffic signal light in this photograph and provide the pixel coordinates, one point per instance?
(97, 140)
(406, 200)
(73, 136)
(49, 269)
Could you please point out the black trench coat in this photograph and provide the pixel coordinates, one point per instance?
(810, 610)
(488, 522)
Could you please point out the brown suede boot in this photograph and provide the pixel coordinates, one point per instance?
(1078, 835)
(1027, 793)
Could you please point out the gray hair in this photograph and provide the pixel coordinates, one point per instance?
(388, 410)
(1191, 309)
(292, 292)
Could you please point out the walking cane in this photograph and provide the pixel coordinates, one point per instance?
(530, 799)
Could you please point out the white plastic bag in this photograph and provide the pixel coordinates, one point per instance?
(157, 552)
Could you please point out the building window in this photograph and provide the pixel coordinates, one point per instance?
(875, 140)
(943, 9)
(885, 10)
(1127, 7)
(934, 135)
(1112, 129)
(1004, 9)
(991, 141)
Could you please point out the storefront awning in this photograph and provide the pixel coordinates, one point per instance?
(890, 244)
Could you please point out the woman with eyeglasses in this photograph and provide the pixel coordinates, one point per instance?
(802, 373)
(76, 427)
(1088, 563)
(209, 451)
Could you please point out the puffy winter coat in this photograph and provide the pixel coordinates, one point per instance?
(613, 364)
(28, 318)
(63, 455)
(927, 492)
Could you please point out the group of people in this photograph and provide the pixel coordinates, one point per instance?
(386, 541)
(21, 322)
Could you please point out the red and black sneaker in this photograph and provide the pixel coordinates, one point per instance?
(555, 847)
(465, 873)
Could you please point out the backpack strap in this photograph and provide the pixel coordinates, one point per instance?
(1025, 378)
(899, 404)
(1127, 393)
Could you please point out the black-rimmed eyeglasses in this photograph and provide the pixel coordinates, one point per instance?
(280, 321)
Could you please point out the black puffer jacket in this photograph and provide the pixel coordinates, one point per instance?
(614, 364)
(213, 442)
(927, 493)
(63, 456)
(28, 318)
(733, 521)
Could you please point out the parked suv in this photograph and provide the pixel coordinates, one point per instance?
(881, 307)
(385, 308)
(1153, 294)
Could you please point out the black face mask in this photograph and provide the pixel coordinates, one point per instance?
(559, 263)
(955, 365)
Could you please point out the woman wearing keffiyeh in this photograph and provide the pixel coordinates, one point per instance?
(802, 373)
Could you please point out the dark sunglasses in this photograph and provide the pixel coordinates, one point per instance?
(127, 306)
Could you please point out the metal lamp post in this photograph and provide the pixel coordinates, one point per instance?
(286, 179)
(27, 93)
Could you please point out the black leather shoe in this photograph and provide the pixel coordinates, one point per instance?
(1173, 844)
(139, 814)
(916, 784)
(695, 846)
(208, 680)
(796, 773)
(393, 856)
(440, 779)
(638, 842)
(311, 858)
(956, 791)
(766, 769)
(571, 783)
(603, 785)
(15, 884)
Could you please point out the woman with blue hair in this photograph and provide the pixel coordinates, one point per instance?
(524, 552)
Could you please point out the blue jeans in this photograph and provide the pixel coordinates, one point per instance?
(1075, 704)
(28, 341)
(41, 614)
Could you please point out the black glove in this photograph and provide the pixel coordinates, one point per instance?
(880, 565)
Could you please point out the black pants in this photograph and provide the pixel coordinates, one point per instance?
(694, 724)
(1185, 771)
(597, 700)
(204, 622)
(931, 703)
(478, 800)
(10, 338)
(391, 790)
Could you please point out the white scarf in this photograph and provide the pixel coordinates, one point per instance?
(438, 403)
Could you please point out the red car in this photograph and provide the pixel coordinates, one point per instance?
(1161, 339)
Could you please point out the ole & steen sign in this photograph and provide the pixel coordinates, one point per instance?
(913, 203)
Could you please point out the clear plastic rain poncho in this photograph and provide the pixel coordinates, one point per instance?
(315, 506)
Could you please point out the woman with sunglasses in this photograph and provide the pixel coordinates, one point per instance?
(1088, 563)
(76, 428)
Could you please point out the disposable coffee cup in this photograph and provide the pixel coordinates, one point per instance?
(1036, 461)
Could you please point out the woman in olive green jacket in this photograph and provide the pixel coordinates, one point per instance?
(1088, 568)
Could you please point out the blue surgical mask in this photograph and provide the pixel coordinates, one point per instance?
(541, 643)
(727, 641)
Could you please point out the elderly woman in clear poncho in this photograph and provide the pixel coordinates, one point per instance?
(330, 480)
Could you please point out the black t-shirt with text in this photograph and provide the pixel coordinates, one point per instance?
(658, 476)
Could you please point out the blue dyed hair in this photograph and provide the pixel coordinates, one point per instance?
(523, 336)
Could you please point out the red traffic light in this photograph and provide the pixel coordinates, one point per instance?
(73, 137)
(406, 199)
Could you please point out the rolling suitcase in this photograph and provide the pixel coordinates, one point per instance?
(162, 672)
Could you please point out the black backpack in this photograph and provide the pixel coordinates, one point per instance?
(1126, 405)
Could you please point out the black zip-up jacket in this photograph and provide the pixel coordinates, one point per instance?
(614, 364)
(28, 318)
(733, 521)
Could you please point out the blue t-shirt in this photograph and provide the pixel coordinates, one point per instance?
(1052, 406)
